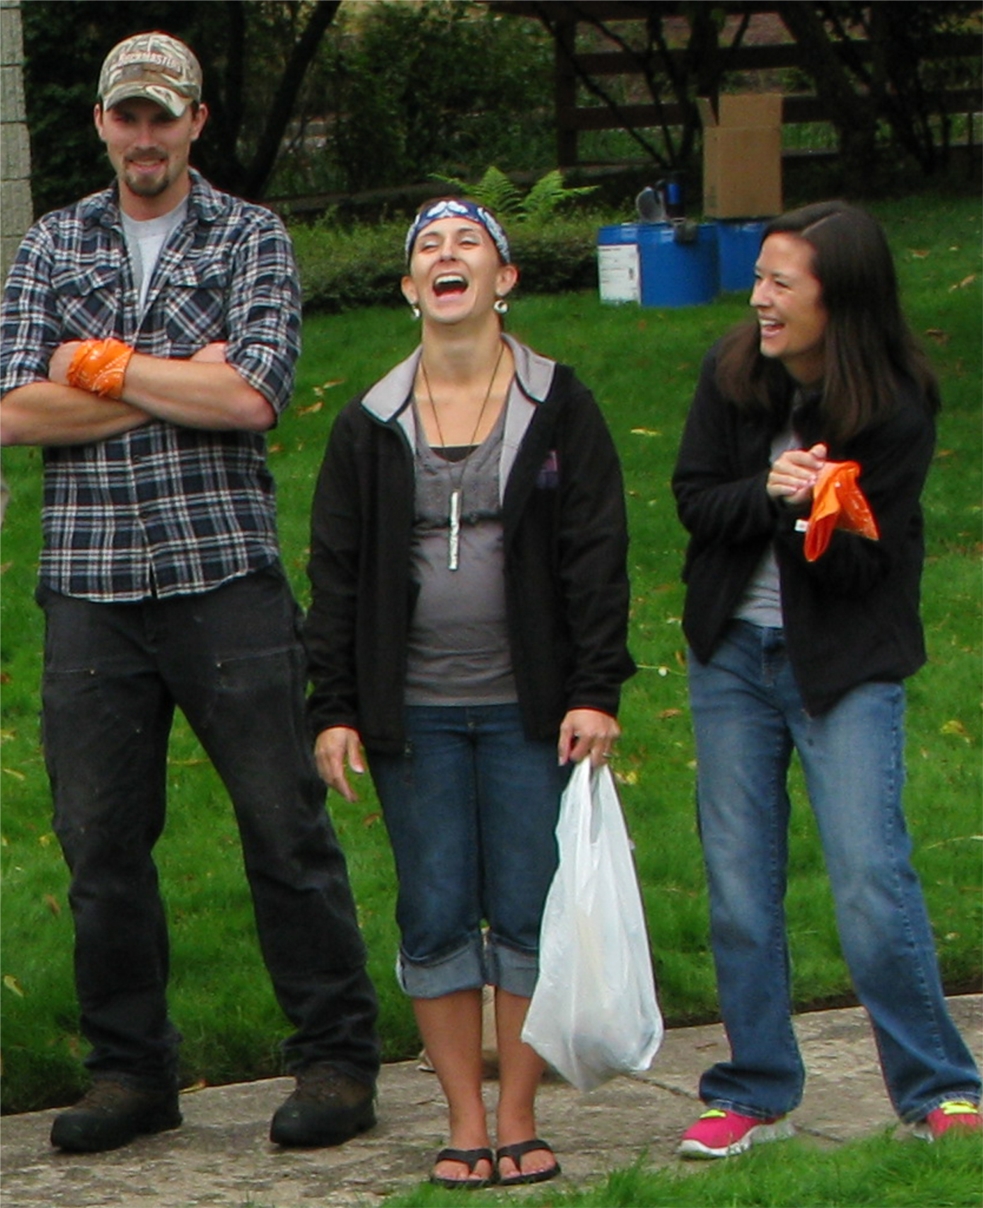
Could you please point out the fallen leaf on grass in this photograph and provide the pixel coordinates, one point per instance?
(955, 727)
(645, 432)
(962, 284)
(13, 772)
(13, 984)
(53, 904)
(938, 335)
(919, 253)
(954, 839)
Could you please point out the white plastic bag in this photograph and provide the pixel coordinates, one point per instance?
(594, 1011)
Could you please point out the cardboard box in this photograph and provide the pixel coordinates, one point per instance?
(742, 156)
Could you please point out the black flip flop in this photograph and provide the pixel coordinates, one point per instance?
(517, 1152)
(469, 1158)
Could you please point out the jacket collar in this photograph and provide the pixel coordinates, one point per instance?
(390, 396)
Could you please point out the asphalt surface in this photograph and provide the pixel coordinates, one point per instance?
(222, 1155)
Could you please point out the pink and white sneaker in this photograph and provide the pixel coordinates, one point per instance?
(954, 1115)
(723, 1134)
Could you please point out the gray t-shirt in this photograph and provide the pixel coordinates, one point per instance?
(458, 641)
(761, 603)
(145, 241)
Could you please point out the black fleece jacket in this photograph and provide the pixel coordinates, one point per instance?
(850, 617)
(565, 546)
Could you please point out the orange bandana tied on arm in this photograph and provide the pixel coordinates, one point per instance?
(99, 366)
(837, 502)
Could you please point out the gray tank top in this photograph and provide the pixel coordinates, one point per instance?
(458, 641)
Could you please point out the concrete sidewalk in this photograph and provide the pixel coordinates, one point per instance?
(222, 1155)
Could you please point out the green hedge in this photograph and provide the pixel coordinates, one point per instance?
(343, 268)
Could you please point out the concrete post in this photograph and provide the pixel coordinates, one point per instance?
(16, 209)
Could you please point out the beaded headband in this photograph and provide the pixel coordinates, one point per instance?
(451, 207)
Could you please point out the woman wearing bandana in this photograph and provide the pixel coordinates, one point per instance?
(468, 631)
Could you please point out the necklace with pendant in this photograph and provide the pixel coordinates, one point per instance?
(454, 503)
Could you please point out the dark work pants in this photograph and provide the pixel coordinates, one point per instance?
(232, 661)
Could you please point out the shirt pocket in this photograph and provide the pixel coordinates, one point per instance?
(88, 300)
(194, 301)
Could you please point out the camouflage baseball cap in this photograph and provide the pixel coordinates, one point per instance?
(151, 65)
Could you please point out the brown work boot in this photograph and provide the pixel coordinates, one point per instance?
(111, 1114)
(326, 1108)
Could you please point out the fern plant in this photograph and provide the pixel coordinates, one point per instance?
(499, 194)
(548, 194)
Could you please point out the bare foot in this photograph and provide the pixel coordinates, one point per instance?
(529, 1161)
(456, 1166)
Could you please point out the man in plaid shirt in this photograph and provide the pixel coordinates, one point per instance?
(150, 334)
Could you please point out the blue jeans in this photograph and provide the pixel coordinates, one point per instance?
(748, 717)
(471, 808)
(231, 660)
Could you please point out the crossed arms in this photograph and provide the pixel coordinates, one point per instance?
(202, 392)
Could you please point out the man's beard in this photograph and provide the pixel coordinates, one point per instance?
(148, 184)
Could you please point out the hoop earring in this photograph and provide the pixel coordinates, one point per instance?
(414, 310)
(501, 307)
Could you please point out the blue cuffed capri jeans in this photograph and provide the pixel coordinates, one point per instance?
(471, 807)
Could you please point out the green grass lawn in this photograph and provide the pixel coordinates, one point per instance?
(880, 1172)
(642, 366)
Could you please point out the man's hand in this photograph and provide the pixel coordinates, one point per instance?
(61, 358)
(214, 353)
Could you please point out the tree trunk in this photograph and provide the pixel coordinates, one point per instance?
(258, 172)
(850, 112)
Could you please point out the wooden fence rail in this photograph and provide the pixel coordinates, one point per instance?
(570, 66)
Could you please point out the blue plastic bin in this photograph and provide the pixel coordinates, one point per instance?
(675, 272)
(738, 244)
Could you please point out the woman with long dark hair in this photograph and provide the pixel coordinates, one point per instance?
(790, 651)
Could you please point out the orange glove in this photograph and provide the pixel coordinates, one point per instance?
(837, 502)
(99, 366)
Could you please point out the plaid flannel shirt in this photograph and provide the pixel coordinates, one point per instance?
(162, 510)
